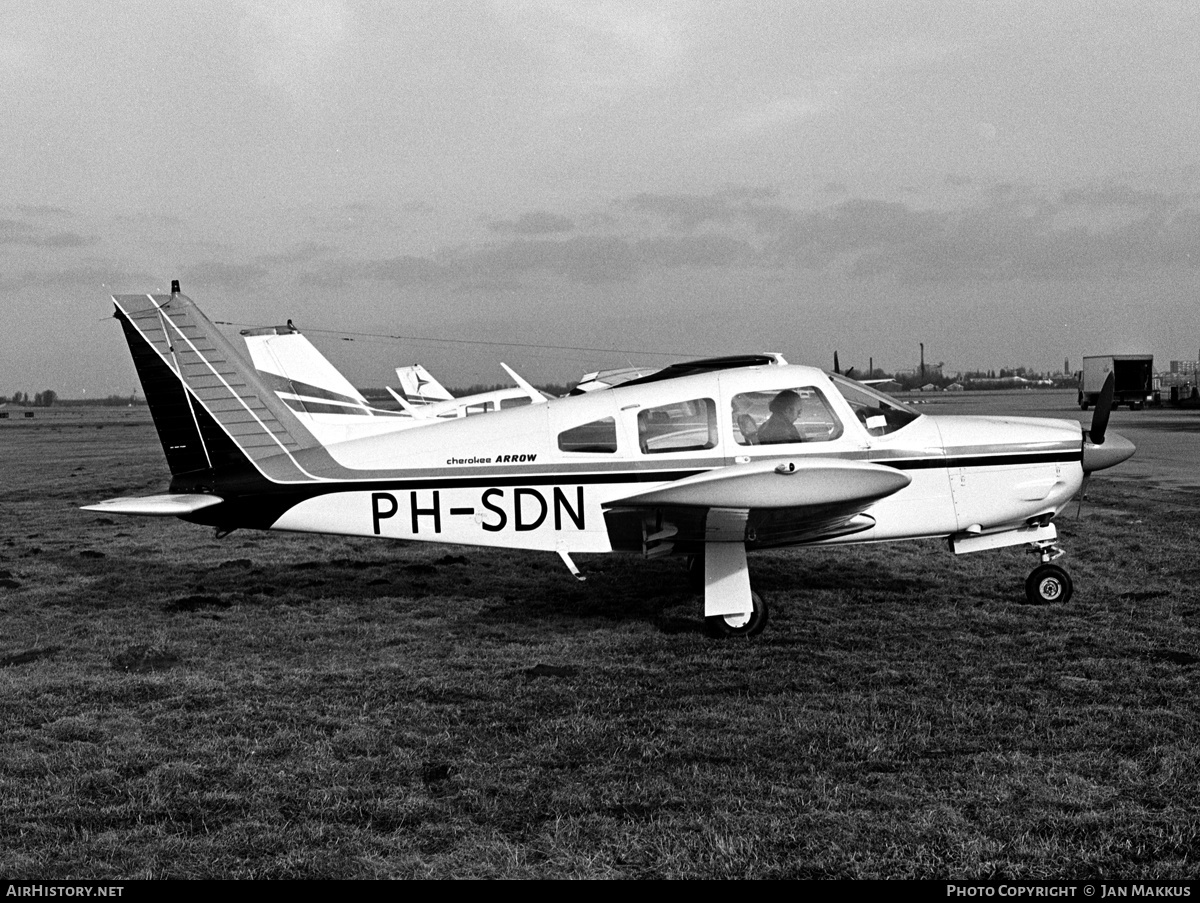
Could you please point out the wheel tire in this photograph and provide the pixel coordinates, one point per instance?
(722, 626)
(1047, 584)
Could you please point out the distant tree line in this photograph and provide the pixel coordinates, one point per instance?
(479, 388)
(50, 398)
(108, 401)
(45, 399)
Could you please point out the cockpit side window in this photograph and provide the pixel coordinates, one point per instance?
(879, 413)
(681, 426)
(597, 437)
(782, 417)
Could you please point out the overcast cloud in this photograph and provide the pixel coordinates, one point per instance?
(1010, 183)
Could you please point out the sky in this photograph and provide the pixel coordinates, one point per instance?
(566, 186)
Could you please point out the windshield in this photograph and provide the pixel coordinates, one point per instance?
(879, 413)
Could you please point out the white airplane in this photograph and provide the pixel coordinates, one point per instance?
(1006, 382)
(849, 374)
(418, 386)
(333, 410)
(423, 396)
(598, 380)
(322, 399)
(709, 464)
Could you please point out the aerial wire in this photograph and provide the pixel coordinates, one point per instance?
(479, 342)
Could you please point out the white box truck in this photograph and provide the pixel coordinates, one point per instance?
(1134, 379)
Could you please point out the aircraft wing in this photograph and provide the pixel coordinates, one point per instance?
(764, 503)
(535, 396)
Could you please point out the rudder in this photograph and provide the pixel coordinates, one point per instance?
(215, 418)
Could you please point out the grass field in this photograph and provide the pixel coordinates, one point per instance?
(291, 706)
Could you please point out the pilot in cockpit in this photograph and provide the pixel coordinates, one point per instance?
(781, 425)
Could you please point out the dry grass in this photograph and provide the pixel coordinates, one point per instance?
(292, 706)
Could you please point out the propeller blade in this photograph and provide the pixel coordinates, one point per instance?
(1103, 408)
(836, 366)
(1096, 454)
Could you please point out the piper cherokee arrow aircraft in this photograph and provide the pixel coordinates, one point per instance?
(709, 459)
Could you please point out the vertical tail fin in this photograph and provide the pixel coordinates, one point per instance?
(419, 387)
(215, 417)
(321, 398)
(290, 363)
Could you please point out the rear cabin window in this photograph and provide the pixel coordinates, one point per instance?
(597, 437)
(782, 417)
(681, 426)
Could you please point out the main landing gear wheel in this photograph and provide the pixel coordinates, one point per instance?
(751, 624)
(1048, 583)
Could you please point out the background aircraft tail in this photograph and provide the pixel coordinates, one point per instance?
(323, 400)
(217, 420)
(418, 386)
(291, 365)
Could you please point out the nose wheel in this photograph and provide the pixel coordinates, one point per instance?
(1048, 583)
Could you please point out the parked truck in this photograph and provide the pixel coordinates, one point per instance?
(1133, 383)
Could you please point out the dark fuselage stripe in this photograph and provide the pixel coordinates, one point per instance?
(585, 478)
(581, 478)
(985, 460)
(561, 479)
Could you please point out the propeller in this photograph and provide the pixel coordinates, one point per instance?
(1099, 449)
(1103, 409)
(849, 374)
